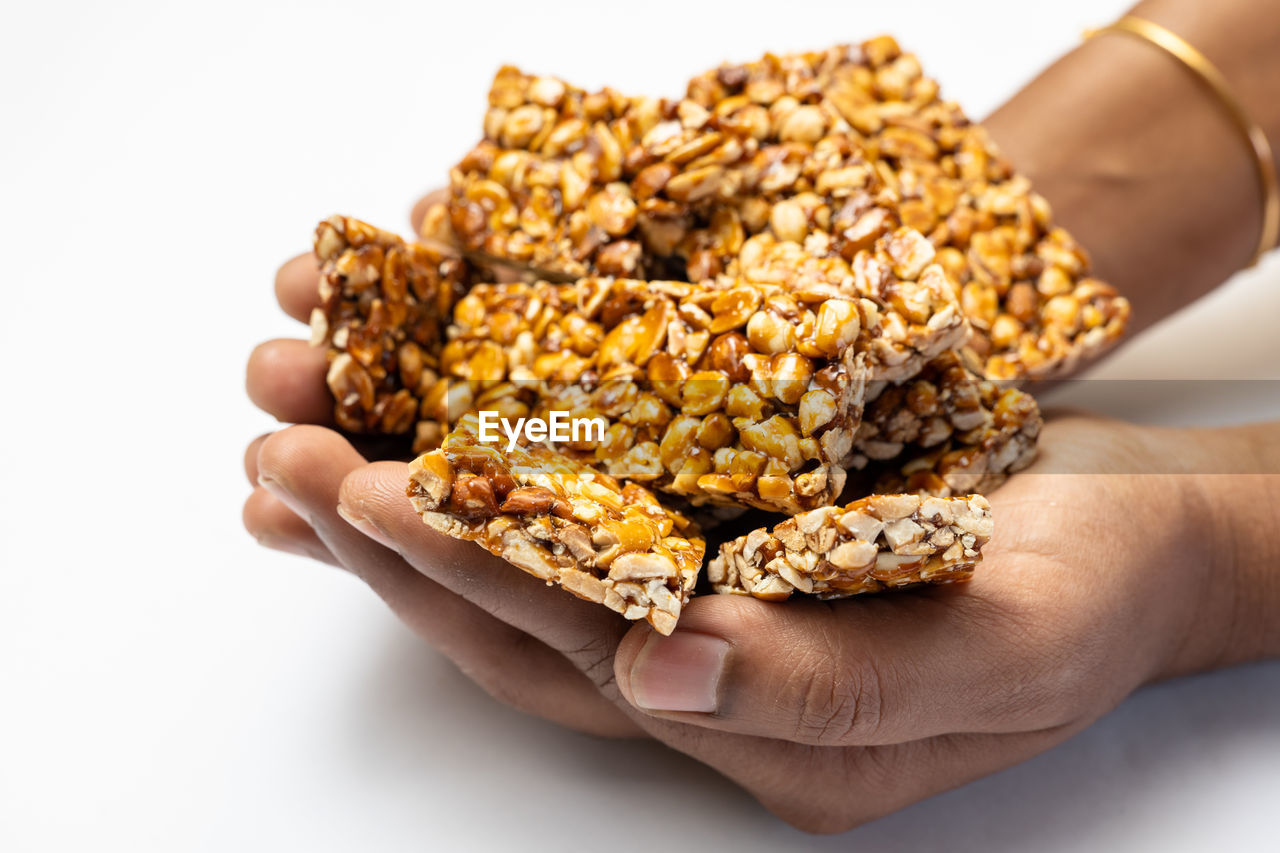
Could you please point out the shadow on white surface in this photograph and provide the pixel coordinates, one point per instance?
(418, 722)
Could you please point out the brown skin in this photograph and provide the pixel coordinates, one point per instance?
(1141, 162)
(1094, 584)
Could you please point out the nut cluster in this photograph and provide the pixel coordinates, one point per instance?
(957, 433)
(562, 521)
(810, 264)
(1025, 283)
(829, 150)
(382, 306)
(871, 544)
(745, 392)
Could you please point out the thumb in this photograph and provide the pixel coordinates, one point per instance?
(881, 670)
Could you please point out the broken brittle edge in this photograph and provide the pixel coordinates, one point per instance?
(829, 149)
(562, 521)
(384, 305)
(743, 392)
(872, 544)
(946, 432)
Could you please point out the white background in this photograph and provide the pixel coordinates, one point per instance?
(168, 685)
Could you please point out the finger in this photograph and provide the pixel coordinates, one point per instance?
(305, 466)
(251, 458)
(585, 633)
(301, 401)
(298, 286)
(276, 526)
(834, 789)
(420, 208)
(887, 669)
(286, 379)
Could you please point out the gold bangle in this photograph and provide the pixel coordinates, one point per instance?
(1210, 76)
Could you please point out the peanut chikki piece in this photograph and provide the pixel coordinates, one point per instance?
(948, 405)
(570, 184)
(978, 461)
(562, 521)
(1025, 283)
(739, 391)
(908, 299)
(747, 395)
(831, 150)
(896, 308)
(575, 183)
(383, 308)
(876, 543)
(961, 434)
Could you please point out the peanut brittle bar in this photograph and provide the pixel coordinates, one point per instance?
(384, 305)
(830, 150)
(692, 405)
(570, 183)
(738, 392)
(562, 521)
(876, 543)
(1025, 283)
(909, 299)
(947, 407)
(579, 183)
(979, 461)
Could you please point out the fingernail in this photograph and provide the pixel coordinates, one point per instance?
(678, 673)
(286, 497)
(366, 527)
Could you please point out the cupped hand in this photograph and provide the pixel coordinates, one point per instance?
(296, 474)
(834, 713)
(830, 713)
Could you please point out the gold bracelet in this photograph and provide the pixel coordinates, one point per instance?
(1204, 70)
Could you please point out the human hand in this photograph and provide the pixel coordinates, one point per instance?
(296, 474)
(834, 713)
(830, 713)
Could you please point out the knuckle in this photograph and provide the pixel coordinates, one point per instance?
(1068, 680)
(841, 700)
(594, 657)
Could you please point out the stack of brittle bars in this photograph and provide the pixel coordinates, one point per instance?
(810, 287)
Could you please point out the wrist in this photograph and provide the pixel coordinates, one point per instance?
(1163, 198)
(1247, 550)
(1229, 501)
